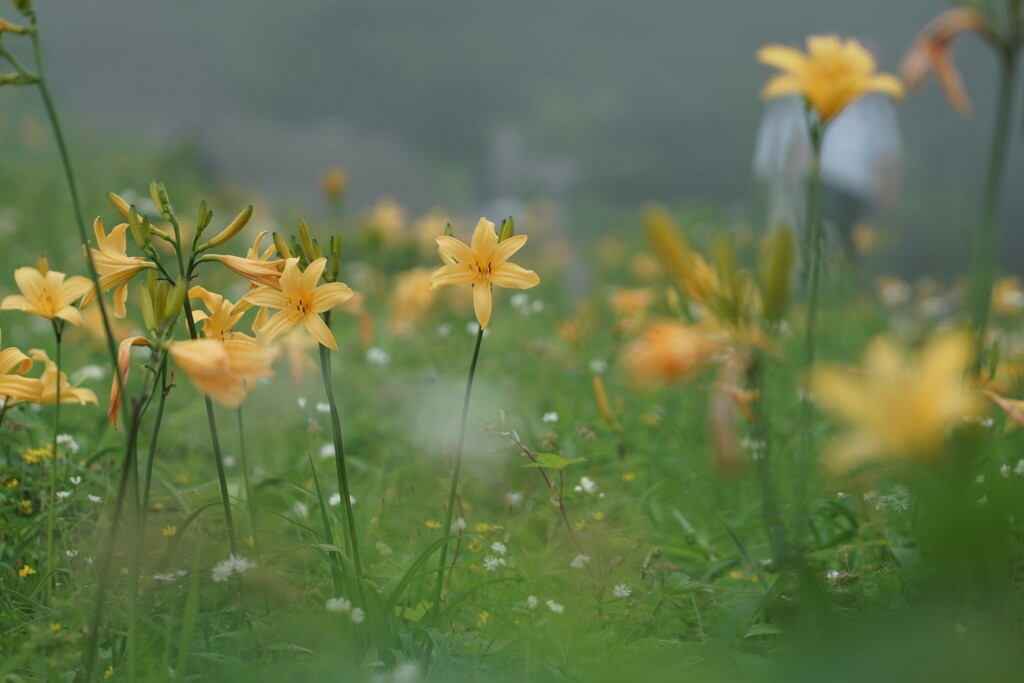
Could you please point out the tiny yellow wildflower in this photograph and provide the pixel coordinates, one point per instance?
(11, 484)
(475, 546)
(736, 575)
(26, 571)
(169, 530)
(628, 477)
(109, 673)
(432, 524)
(482, 618)
(597, 516)
(482, 528)
(33, 456)
(55, 626)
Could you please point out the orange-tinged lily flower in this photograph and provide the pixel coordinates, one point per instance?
(47, 294)
(225, 370)
(299, 300)
(222, 317)
(124, 357)
(69, 393)
(831, 75)
(932, 50)
(256, 266)
(897, 409)
(13, 364)
(482, 264)
(115, 267)
(669, 352)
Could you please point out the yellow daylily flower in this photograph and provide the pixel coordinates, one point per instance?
(830, 76)
(255, 266)
(47, 294)
(222, 317)
(896, 409)
(115, 267)
(226, 370)
(13, 364)
(482, 264)
(669, 352)
(69, 393)
(299, 299)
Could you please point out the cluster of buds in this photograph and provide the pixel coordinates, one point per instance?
(21, 75)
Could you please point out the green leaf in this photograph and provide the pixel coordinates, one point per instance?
(553, 461)
(764, 630)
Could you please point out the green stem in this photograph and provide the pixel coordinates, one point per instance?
(154, 437)
(761, 434)
(351, 540)
(51, 506)
(439, 581)
(250, 498)
(985, 235)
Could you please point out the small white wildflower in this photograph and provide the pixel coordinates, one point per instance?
(326, 451)
(492, 563)
(406, 672)
(229, 461)
(95, 499)
(301, 400)
(622, 591)
(235, 564)
(499, 548)
(981, 502)
(90, 372)
(586, 485)
(444, 329)
(71, 553)
(221, 573)
(338, 605)
(1019, 469)
(513, 498)
(376, 356)
(68, 442)
(598, 366)
(537, 306)
(76, 480)
(459, 525)
(555, 607)
(550, 417)
(63, 494)
(580, 561)
(980, 479)
(531, 602)
(300, 509)
(170, 576)
(88, 560)
(357, 615)
(519, 300)
(334, 500)
(323, 407)
(1004, 471)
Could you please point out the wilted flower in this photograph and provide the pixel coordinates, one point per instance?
(482, 264)
(830, 76)
(896, 410)
(932, 50)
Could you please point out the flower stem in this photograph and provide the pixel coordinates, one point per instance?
(351, 540)
(984, 236)
(250, 499)
(151, 455)
(439, 581)
(760, 433)
(51, 507)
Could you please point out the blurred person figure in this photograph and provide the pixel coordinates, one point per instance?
(860, 164)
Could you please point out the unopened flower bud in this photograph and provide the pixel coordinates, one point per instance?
(119, 204)
(23, 6)
(204, 218)
(158, 193)
(508, 229)
(11, 27)
(241, 220)
(281, 246)
(43, 265)
(776, 264)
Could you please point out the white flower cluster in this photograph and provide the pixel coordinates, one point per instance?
(898, 500)
(344, 606)
(233, 565)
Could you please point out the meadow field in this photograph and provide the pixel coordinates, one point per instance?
(387, 445)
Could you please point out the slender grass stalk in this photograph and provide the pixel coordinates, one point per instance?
(153, 439)
(761, 433)
(351, 539)
(985, 235)
(443, 558)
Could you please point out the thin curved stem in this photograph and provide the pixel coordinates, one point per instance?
(443, 559)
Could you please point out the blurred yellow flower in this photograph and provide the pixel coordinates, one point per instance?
(300, 300)
(26, 571)
(830, 76)
(47, 294)
(895, 409)
(482, 264)
(115, 267)
(411, 298)
(334, 182)
(69, 393)
(932, 50)
(225, 370)
(13, 364)
(669, 352)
